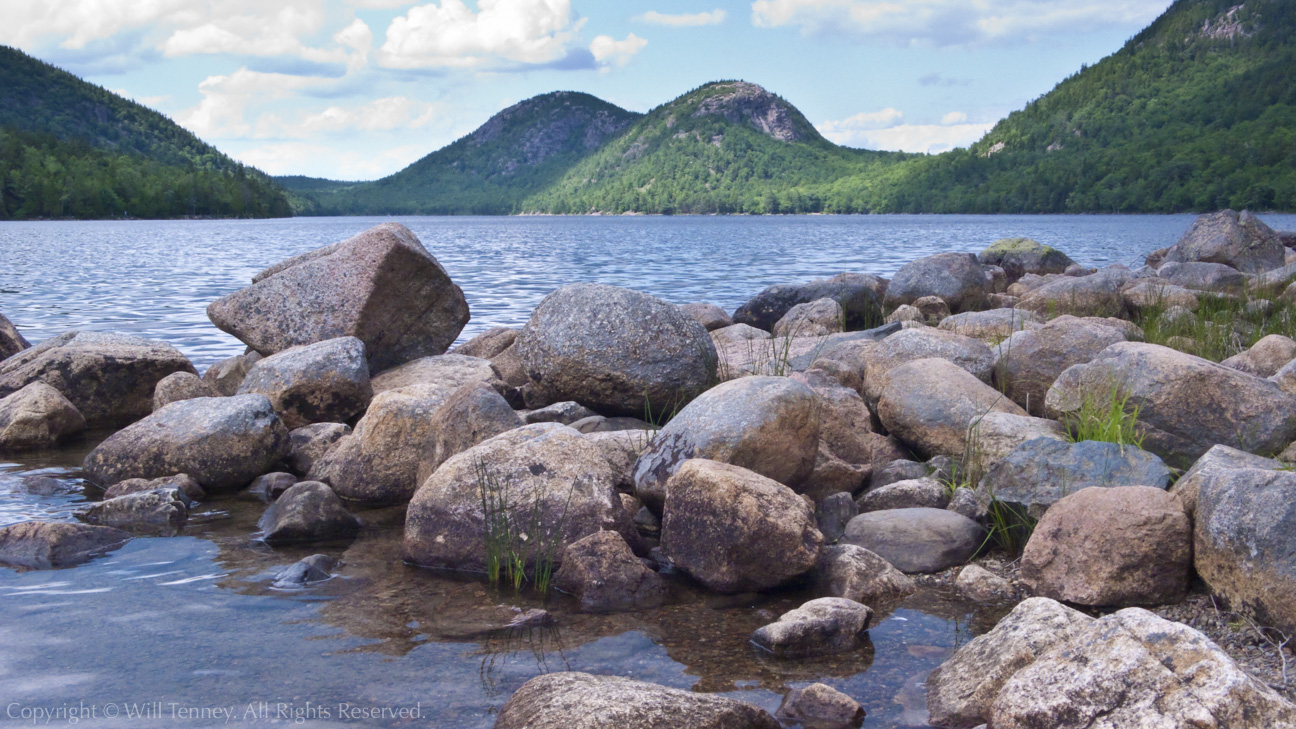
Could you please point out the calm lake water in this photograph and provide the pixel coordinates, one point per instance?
(190, 623)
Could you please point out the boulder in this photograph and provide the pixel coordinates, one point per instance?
(1198, 276)
(221, 442)
(269, 487)
(605, 575)
(1098, 294)
(1271, 283)
(736, 531)
(906, 313)
(488, 344)
(616, 351)
(992, 325)
(933, 309)
(955, 277)
(1266, 357)
(820, 627)
(448, 372)
(1242, 241)
(922, 492)
(1020, 256)
(1134, 669)
(832, 476)
(545, 474)
(180, 386)
(1186, 404)
(1028, 363)
(1040, 472)
(961, 690)
(621, 448)
(109, 378)
(769, 425)
(967, 353)
(968, 502)
(311, 570)
(11, 341)
(813, 319)
(570, 700)
(845, 424)
(996, 435)
(853, 572)
(560, 412)
(833, 513)
(225, 376)
(160, 512)
(42, 545)
(37, 416)
(897, 470)
(1152, 294)
(1218, 458)
(1243, 540)
(737, 333)
(710, 316)
(181, 482)
(471, 415)
(361, 287)
(820, 707)
(928, 405)
(858, 294)
(979, 584)
(1115, 547)
(917, 540)
(307, 512)
(309, 444)
(324, 382)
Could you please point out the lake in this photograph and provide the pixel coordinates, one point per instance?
(187, 631)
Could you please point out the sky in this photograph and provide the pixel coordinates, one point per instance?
(358, 89)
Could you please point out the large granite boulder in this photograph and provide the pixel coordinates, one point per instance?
(488, 344)
(37, 416)
(992, 325)
(42, 545)
(736, 531)
(1028, 363)
(181, 386)
(605, 575)
(307, 512)
(929, 403)
(381, 286)
(617, 351)
(1135, 669)
(921, 343)
(1244, 538)
(858, 294)
(1266, 357)
(955, 277)
(710, 316)
(1098, 294)
(544, 474)
(221, 442)
(448, 372)
(1041, 472)
(917, 540)
(769, 425)
(472, 414)
(1020, 256)
(1218, 458)
(1186, 404)
(110, 378)
(11, 340)
(324, 382)
(569, 700)
(853, 572)
(819, 627)
(1118, 547)
(814, 319)
(1240, 240)
(225, 376)
(1198, 276)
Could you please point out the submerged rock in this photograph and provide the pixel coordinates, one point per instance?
(820, 707)
(324, 382)
(819, 627)
(161, 511)
(917, 540)
(307, 512)
(313, 569)
(602, 572)
(37, 416)
(45, 545)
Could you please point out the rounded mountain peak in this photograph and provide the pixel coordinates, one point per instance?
(743, 102)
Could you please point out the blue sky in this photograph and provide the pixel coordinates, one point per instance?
(357, 89)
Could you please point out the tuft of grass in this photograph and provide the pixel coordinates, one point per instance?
(515, 537)
(1010, 527)
(1222, 326)
(1107, 416)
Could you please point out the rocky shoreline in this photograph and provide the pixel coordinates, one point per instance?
(1103, 453)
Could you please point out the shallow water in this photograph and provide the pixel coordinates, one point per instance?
(164, 626)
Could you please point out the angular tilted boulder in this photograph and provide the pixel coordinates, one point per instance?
(110, 378)
(602, 572)
(44, 545)
(1215, 463)
(769, 425)
(221, 442)
(929, 403)
(11, 341)
(736, 531)
(547, 474)
(1186, 404)
(487, 344)
(614, 350)
(324, 382)
(570, 700)
(819, 627)
(918, 539)
(447, 371)
(181, 386)
(37, 416)
(1240, 240)
(307, 512)
(955, 277)
(859, 295)
(1118, 547)
(225, 376)
(1029, 362)
(1020, 256)
(381, 286)
(851, 571)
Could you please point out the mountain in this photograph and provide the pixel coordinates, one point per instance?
(517, 152)
(72, 149)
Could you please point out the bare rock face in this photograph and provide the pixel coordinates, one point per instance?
(572, 700)
(1028, 363)
(1265, 358)
(955, 277)
(180, 386)
(917, 539)
(324, 382)
(960, 692)
(11, 341)
(1020, 256)
(447, 371)
(381, 286)
(859, 296)
(710, 316)
(110, 378)
(37, 416)
(307, 512)
(1240, 240)
(769, 425)
(221, 442)
(602, 572)
(819, 627)
(225, 376)
(1134, 669)
(736, 531)
(1119, 546)
(853, 572)
(1186, 404)
(546, 474)
(615, 351)
(43, 545)
(814, 319)
(929, 403)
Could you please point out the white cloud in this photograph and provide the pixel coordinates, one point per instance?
(225, 99)
(859, 122)
(393, 112)
(878, 130)
(79, 22)
(953, 22)
(954, 117)
(317, 160)
(680, 20)
(609, 51)
(449, 34)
